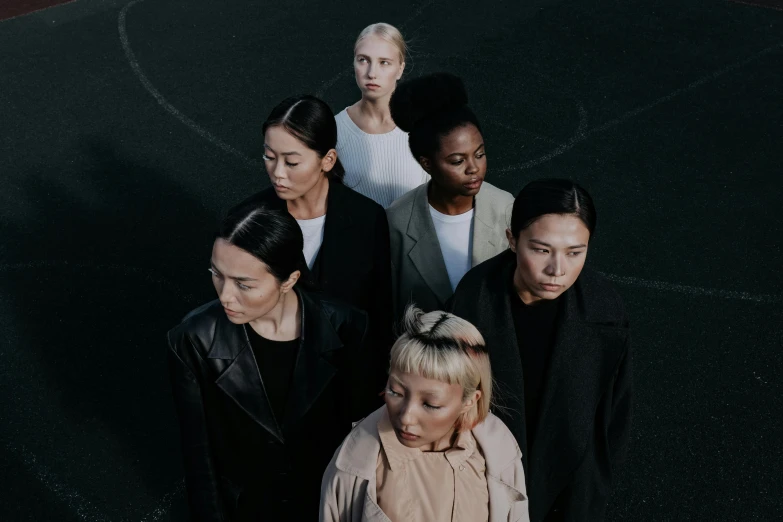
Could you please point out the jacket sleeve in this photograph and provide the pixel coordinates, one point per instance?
(203, 497)
(619, 430)
(336, 501)
(381, 312)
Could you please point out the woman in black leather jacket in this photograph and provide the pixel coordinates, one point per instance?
(264, 377)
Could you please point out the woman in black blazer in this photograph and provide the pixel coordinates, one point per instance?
(559, 342)
(346, 234)
(266, 379)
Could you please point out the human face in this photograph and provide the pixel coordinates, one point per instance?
(551, 253)
(460, 165)
(424, 411)
(243, 283)
(377, 65)
(293, 168)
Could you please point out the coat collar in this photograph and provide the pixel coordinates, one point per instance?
(485, 242)
(426, 254)
(313, 371)
(339, 217)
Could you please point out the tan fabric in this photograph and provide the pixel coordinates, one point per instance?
(448, 486)
(349, 485)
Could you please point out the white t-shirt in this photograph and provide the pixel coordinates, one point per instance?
(455, 235)
(379, 166)
(313, 233)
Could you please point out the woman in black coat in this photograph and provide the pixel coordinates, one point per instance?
(265, 379)
(559, 342)
(346, 235)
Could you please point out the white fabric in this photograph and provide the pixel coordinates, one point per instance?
(455, 234)
(379, 166)
(313, 233)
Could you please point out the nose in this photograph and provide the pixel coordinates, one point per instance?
(224, 293)
(278, 171)
(406, 416)
(370, 71)
(472, 166)
(556, 267)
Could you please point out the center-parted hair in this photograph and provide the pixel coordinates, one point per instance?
(270, 235)
(552, 196)
(428, 108)
(441, 346)
(311, 121)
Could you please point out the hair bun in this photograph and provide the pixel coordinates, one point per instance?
(419, 98)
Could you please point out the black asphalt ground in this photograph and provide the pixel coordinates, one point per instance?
(127, 129)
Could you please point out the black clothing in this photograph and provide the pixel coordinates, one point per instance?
(534, 325)
(275, 360)
(240, 461)
(584, 413)
(354, 261)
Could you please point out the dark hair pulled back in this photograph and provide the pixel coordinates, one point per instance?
(428, 108)
(270, 235)
(552, 196)
(311, 121)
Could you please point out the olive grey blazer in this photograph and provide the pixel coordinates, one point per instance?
(419, 273)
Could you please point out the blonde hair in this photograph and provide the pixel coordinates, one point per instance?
(441, 346)
(385, 32)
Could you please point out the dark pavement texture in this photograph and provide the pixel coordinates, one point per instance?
(670, 114)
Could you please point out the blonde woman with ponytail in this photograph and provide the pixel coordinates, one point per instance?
(434, 452)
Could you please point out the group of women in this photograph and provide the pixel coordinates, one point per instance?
(507, 394)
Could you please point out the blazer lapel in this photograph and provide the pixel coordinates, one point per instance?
(426, 255)
(313, 370)
(485, 244)
(580, 348)
(241, 380)
(333, 247)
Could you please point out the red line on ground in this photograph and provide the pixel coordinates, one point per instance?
(14, 8)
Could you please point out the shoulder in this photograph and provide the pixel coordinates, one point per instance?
(400, 210)
(197, 324)
(477, 276)
(350, 322)
(599, 298)
(495, 437)
(350, 201)
(358, 454)
(497, 195)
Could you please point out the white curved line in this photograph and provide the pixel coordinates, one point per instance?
(168, 107)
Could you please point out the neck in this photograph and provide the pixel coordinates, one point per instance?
(523, 292)
(444, 443)
(375, 110)
(449, 204)
(311, 204)
(282, 322)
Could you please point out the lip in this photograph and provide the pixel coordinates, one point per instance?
(230, 312)
(279, 187)
(405, 435)
(551, 287)
(372, 86)
(473, 184)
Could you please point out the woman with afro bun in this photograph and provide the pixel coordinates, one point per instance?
(443, 228)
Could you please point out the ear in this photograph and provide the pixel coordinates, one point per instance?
(512, 241)
(470, 402)
(289, 283)
(425, 164)
(402, 70)
(329, 160)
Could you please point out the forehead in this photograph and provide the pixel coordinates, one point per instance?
(557, 230)
(279, 139)
(417, 385)
(465, 138)
(235, 262)
(376, 47)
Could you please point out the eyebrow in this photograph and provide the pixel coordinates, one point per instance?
(231, 277)
(380, 57)
(292, 153)
(536, 241)
(428, 393)
(463, 154)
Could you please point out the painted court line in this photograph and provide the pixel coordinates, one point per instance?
(77, 504)
(577, 138)
(694, 290)
(168, 107)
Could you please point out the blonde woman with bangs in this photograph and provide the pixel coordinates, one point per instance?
(374, 151)
(434, 452)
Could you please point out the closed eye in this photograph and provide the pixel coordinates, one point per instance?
(431, 406)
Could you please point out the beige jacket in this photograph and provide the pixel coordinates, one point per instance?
(348, 486)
